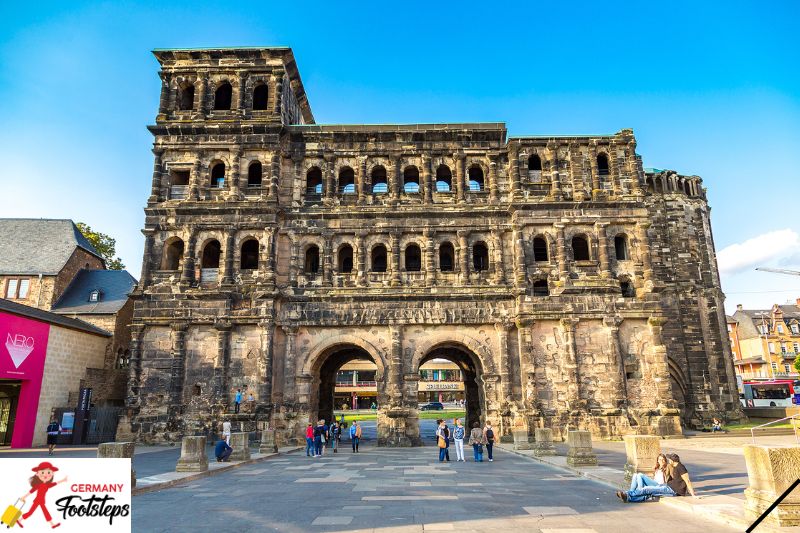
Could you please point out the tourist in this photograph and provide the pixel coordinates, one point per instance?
(355, 435)
(446, 432)
(678, 484)
(476, 439)
(226, 431)
(251, 403)
(659, 475)
(458, 440)
(332, 434)
(441, 440)
(53, 431)
(488, 438)
(237, 401)
(716, 425)
(310, 452)
(319, 437)
(222, 451)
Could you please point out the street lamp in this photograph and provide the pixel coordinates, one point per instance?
(764, 331)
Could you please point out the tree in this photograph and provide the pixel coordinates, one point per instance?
(105, 246)
(797, 363)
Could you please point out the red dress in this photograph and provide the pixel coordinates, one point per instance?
(38, 501)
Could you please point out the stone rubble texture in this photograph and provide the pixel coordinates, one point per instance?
(770, 471)
(579, 449)
(642, 454)
(629, 338)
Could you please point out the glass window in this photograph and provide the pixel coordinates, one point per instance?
(795, 329)
(771, 346)
(775, 366)
(783, 347)
(780, 328)
(796, 347)
(11, 288)
(788, 368)
(23, 288)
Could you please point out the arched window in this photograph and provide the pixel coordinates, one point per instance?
(186, 97)
(580, 248)
(411, 179)
(347, 181)
(540, 249)
(534, 163)
(314, 181)
(626, 287)
(480, 257)
(260, 97)
(223, 96)
(686, 188)
(444, 179)
(602, 164)
(211, 254)
(475, 178)
(249, 260)
(540, 288)
(447, 256)
(378, 259)
(173, 254)
(255, 174)
(345, 259)
(218, 175)
(311, 265)
(621, 247)
(650, 187)
(380, 184)
(413, 258)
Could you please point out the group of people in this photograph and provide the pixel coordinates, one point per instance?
(478, 438)
(322, 436)
(670, 478)
(239, 397)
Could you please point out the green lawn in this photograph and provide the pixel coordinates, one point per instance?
(758, 421)
(423, 415)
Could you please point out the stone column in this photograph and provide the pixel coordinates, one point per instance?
(118, 450)
(579, 192)
(193, 455)
(361, 250)
(137, 333)
(395, 244)
(158, 172)
(394, 178)
(618, 376)
(327, 260)
(361, 175)
(265, 363)
(527, 364)
(178, 364)
(426, 179)
(644, 250)
(200, 96)
(221, 365)
(267, 256)
(235, 185)
(187, 274)
(770, 472)
(633, 168)
(561, 253)
(230, 244)
(396, 365)
(461, 181)
(602, 249)
(520, 267)
(493, 187)
(659, 368)
(555, 179)
(240, 442)
(463, 256)
(513, 159)
(294, 262)
(613, 171)
(194, 178)
(579, 452)
(597, 187)
(497, 250)
(149, 238)
(278, 90)
(502, 329)
(329, 182)
(274, 178)
(241, 93)
(543, 442)
(571, 365)
(290, 372)
(642, 452)
(163, 100)
(430, 270)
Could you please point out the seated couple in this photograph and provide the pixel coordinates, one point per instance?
(670, 478)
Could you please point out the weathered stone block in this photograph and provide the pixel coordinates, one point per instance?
(118, 450)
(268, 442)
(240, 442)
(543, 442)
(521, 439)
(642, 452)
(579, 452)
(193, 455)
(770, 471)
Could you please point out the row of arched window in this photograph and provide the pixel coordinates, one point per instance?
(581, 250)
(661, 184)
(346, 180)
(535, 164)
(223, 97)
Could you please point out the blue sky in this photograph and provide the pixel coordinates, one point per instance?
(710, 88)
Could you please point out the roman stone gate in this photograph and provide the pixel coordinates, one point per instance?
(572, 287)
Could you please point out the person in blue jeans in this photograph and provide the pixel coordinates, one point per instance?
(310, 451)
(355, 435)
(319, 433)
(441, 433)
(639, 480)
(476, 440)
(678, 484)
(222, 451)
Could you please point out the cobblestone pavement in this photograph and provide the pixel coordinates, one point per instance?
(389, 490)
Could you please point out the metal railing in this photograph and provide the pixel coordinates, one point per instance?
(794, 428)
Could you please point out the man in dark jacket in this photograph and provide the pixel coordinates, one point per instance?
(222, 451)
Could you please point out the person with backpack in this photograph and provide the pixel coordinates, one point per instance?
(488, 438)
(319, 437)
(53, 431)
(476, 439)
(333, 434)
(355, 435)
(458, 440)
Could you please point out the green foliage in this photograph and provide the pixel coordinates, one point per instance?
(797, 363)
(105, 246)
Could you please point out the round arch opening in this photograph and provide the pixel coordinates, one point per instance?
(471, 372)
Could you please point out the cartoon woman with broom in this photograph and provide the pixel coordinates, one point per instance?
(41, 482)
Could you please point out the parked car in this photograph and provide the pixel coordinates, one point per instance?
(432, 406)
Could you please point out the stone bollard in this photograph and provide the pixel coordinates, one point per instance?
(521, 439)
(268, 443)
(240, 442)
(193, 455)
(118, 450)
(579, 452)
(642, 452)
(770, 471)
(543, 442)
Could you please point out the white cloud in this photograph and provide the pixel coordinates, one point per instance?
(758, 251)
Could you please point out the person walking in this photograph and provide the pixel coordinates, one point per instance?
(355, 435)
(332, 434)
(488, 438)
(237, 401)
(441, 440)
(476, 440)
(53, 431)
(319, 437)
(226, 431)
(310, 441)
(458, 440)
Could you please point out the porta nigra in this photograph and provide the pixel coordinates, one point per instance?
(573, 287)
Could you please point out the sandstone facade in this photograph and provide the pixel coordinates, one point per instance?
(574, 289)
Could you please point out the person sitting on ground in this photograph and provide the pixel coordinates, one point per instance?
(659, 475)
(716, 425)
(678, 484)
(222, 451)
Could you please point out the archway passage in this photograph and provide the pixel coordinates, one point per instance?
(470, 372)
(360, 396)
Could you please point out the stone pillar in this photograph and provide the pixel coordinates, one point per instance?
(361, 176)
(149, 238)
(178, 355)
(463, 256)
(395, 244)
(613, 171)
(163, 100)
(644, 250)
(430, 270)
(570, 364)
(327, 260)
(118, 450)
(426, 179)
(520, 267)
(642, 452)
(396, 365)
(770, 472)
(543, 442)
(394, 178)
(597, 187)
(502, 329)
(527, 364)
(329, 181)
(135, 374)
(461, 180)
(235, 186)
(267, 256)
(268, 442)
(265, 363)
(520, 436)
(290, 372)
(294, 262)
(200, 96)
(513, 160)
(194, 179)
(221, 364)
(240, 442)
(579, 451)
(659, 368)
(493, 187)
(278, 90)
(497, 251)
(241, 92)
(158, 172)
(274, 178)
(633, 168)
(187, 274)
(602, 249)
(230, 240)
(618, 376)
(361, 250)
(193, 455)
(555, 179)
(561, 253)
